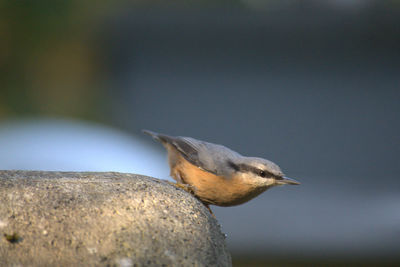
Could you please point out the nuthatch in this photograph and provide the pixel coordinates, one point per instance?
(218, 175)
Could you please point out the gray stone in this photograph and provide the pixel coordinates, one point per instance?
(104, 219)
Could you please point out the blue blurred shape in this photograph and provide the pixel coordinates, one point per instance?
(69, 145)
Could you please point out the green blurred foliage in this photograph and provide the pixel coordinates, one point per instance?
(47, 64)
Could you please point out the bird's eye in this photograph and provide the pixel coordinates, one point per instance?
(262, 174)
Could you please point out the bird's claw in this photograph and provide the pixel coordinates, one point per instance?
(187, 187)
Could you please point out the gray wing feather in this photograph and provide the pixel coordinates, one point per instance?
(207, 156)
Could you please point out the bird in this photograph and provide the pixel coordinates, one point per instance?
(217, 175)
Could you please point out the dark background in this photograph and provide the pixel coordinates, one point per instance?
(313, 87)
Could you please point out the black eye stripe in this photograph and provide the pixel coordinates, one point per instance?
(264, 173)
(247, 168)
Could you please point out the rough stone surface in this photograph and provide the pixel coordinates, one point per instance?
(103, 219)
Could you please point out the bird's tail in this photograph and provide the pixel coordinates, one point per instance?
(155, 135)
(162, 138)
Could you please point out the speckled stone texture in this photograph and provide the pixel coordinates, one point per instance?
(103, 219)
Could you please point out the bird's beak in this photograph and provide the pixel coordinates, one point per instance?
(287, 180)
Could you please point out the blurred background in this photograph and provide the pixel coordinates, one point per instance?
(313, 86)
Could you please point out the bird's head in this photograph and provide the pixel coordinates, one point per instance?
(261, 172)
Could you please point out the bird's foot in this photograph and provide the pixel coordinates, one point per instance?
(187, 187)
(209, 209)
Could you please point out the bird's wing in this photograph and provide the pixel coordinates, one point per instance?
(207, 156)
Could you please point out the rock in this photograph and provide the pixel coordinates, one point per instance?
(104, 219)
